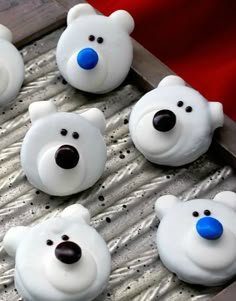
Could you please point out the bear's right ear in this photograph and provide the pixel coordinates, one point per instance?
(78, 10)
(217, 114)
(40, 109)
(227, 198)
(76, 212)
(12, 239)
(123, 19)
(172, 80)
(164, 204)
(5, 33)
(96, 117)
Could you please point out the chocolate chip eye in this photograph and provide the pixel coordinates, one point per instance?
(100, 40)
(189, 109)
(195, 214)
(75, 135)
(207, 212)
(49, 242)
(91, 38)
(180, 103)
(65, 237)
(64, 132)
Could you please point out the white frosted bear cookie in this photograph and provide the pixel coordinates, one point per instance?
(60, 259)
(12, 70)
(174, 124)
(63, 153)
(197, 239)
(95, 52)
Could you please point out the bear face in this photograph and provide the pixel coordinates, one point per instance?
(94, 53)
(197, 239)
(173, 124)
(12, 69)
(63, 153)
(68, 261)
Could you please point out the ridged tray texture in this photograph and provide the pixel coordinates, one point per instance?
(121, 203)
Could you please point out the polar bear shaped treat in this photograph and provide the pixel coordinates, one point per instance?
(197, 239)
(63, 153)
(12, 69)
(174, 124)
(60, 259)
(94, 53)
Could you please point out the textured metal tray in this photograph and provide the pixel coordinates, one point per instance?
(121, 203)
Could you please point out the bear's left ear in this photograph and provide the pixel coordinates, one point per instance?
(164, 204)
(96, 117)
(217, 114)
(5, 33)
(123, 19)
(227, 198)
(76, 212)
(40, 109)
(172, 80)
(13, 238)
(78, 10)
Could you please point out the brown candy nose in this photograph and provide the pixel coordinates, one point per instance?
(68, 252)
(67, 157)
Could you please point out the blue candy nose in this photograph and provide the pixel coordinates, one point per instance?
(209, 228)
(87, 58)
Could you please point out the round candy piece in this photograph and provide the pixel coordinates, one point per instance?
(95, 52)
(12, 70)
(196, 239)
(209, 228)
(60, 259)
(63, 153)
(174, 124)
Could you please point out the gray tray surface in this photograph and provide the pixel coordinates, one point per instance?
(121, 203)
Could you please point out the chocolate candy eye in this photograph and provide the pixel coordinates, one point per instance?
(207, 212)
(195, 214)
(65, 237)
(91, 38)
(75, 135)
(64, 132)
(100, 40)
(189, 109)
(49, 242)
(180, 103)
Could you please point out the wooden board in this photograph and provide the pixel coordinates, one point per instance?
(228, 294)
(30, 19)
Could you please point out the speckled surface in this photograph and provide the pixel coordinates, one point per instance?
(121, 203)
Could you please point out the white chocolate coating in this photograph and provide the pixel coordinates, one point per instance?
(12, 70)
(184, 124)
(73, 269)
(101, 64)
(199, 247)
(55, 161)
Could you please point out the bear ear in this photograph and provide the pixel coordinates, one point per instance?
(76, 212)
(78, 10)
(5, 33)
(40, 109)
(96, 117)
(165, 204)
(123, 19)
(12, 239)
(228, 198)
(172, 80)
(217, 114)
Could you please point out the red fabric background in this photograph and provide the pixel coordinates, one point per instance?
(196, 39)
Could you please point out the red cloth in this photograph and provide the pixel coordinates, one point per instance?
(196, 39)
